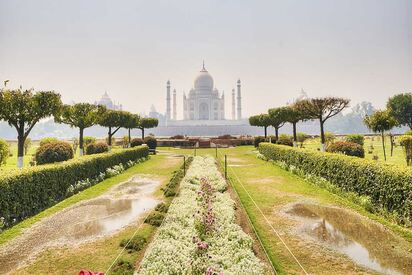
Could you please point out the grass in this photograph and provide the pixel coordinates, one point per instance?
(92, 192)
(272, 188)
(98, 255)
(373, 147)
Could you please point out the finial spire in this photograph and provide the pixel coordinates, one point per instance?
(203, 68)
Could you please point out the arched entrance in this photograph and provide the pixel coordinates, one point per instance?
(204, 111)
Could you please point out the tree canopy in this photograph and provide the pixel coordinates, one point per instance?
(278, 118)
(146, 123)
(22, 109)
(400, 107)
(114, 120)
(262, 120)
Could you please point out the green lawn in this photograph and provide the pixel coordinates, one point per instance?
(100, 254)
(373, 147)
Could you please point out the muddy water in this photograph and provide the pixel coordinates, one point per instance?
(365, 242)
(82, 222)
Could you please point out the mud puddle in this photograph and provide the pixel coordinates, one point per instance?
(367, 243)
(84, 221)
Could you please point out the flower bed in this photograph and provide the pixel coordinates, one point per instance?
(199, 233)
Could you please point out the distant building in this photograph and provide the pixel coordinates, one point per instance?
(108, 103)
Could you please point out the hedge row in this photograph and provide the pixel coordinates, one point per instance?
(27, 192)
(389, 187)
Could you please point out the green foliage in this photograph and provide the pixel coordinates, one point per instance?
(54, 151)
(400, 107)
(148, 122)
(258, 140)
(27, 145)
(27, 192)
(47, 140)
(97, 148)
(285, 139)
(356, 138)
(4, 151)
(155, 218)
(380, 121)
(122, 267)
(133, 245)
(302, 137)
(88, 140)
(162, 207)
(388, 187)
(406, 142)
(347, 148)
(171, 187)
(151, 142)
(409, 132)
(262, 120)
(329, 138)
(278, 116)
(75, 144)
(136, 142)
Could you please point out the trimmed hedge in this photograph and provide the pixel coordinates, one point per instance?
(347, 148)
(26, 192)
(388, 187)
(97, 148)
(54, 151)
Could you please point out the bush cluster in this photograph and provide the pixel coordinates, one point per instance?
(177, 137)
(258, 140)
(155, 218)
(285, 139)
(388, 187)
(134, 244)
(151, 142)
(356, 138)
(171, 187)
(88, 140)
(406, 142)
(54, 151)
(25, 193)
(97, 148)
(4, 151)
(47, 140)
(347, 148)
(136, 142)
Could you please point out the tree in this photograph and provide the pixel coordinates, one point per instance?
(82, 116)
(114, 120)
(293, 116)
(380, 122)
(146, 123)
(132, 123)
(262, 120)
(23, 109)
(322, 109)
(278, 118)
(400, 107)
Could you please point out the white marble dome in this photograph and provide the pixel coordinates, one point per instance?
(204, 80)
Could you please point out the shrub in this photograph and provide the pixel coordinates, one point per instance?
(134, 244)
(389, 187)
(26, 192)
(151, 142)
(258, 140)
(285, 140)
(136, 142)
(47, 140)
(97, 148)
(409, 132)
(355, 138)
(155, 219)
(122, 267)
(226, 137)
(162, 207)
(329, 138)
(171, 187)
(302, 137)
(4, 151)
(177, 137)
(54, 151)
(88, 140)
(406, 142)
(347, 148)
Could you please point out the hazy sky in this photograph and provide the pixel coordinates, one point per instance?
(357, 49)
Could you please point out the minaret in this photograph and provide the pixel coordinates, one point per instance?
(233, 105)
(174, 105)
(239, 101)
(168, 114)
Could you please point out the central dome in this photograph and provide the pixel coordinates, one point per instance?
(204, 80)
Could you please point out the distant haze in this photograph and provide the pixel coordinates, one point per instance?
(356, 49)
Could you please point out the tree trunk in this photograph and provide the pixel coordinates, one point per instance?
(383, 145)
(392, 143)
(130, 139)
(276, 134)
(322, 137)
(142, 133)
(109, 142)
(266, 132)
(295, 136)
(20, 150)
(81, 142)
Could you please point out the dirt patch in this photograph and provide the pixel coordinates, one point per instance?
(365, 242)
(171, 161)
(84, 221)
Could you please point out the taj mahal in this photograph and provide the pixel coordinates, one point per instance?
(204, 104)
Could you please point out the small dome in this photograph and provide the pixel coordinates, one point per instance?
(204, 80)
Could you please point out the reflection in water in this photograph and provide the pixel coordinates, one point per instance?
(365, 242)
